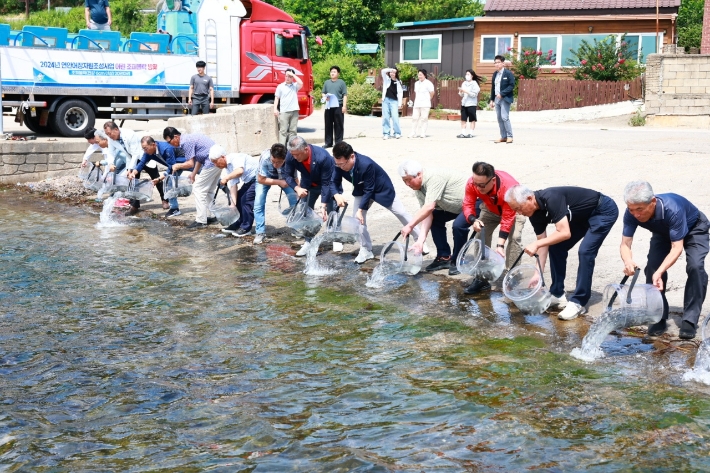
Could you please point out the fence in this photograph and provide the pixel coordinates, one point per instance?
(541, 94)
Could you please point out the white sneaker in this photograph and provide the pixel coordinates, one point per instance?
(558, 302)
(259, 238)
(571, 311)
(422, 136)
(385, 137)
(364, 255)
(304, 249)
(425, 249)
(396, 137)
(337, 247)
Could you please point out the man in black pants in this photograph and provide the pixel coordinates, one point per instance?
(676, 225)
(577, 214)
(334, 88)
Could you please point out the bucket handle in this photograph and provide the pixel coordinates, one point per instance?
(631, 288)
(225, 189)
(390, 246)
(406, 247)
(539, 265)
(483, 241)
(342, 214)
(517, 260)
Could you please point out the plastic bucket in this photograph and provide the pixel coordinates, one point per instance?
(140, 190)
(477, 260)
(398, 258)
(91, 177)
(637, 304)
(177, 186)
(525, 286)
(343, 229)
(303, 220)
(112, 184)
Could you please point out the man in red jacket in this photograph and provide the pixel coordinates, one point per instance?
(490, 186)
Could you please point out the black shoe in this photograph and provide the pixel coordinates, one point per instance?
(477, 286)
(687, 331)
(197, 225)
(453, 270)
(241, 233)
(440, 262)
(211, 220)
(232, 228)
(657, 329)
(172, 213)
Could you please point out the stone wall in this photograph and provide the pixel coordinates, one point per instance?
(25, 161)
(678, 90)
(240, 128)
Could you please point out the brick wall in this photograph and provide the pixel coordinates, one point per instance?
(705, 42)
(678, 85)
(25, 161)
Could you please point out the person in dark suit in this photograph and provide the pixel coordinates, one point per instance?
(502, 87)
(370, 184)
(316, 167)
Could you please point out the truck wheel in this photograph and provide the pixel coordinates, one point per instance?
(267, 99)
(73, 118)
(33, 124)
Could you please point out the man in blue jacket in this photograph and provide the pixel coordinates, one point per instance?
(502, 87)
(370, 184)
(316, 167)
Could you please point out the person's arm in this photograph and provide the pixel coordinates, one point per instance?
(384, 72)
(108, 14)
(289, 171)
(509, 86)
(89, 151)
(563, 233)
(195, 171)
(422, 214)
(299, 82)
(337, 187)
(431, 93)
(627, 256)
(211, 94)
(493, 89)
(345, 98)
(267, 181)
(668, 261)
(418, 246)
(276, 105)
(87, 15)
(189, 93)
(232, 175)
(233, 192)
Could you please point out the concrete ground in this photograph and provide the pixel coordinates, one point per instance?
(603, 154)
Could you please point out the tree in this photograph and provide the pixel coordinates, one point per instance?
(604, 60)
(527, 66)
(690, 23)
(421, 10)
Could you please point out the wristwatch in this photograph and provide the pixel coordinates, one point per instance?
(500, 246)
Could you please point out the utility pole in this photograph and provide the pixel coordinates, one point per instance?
(27, 9)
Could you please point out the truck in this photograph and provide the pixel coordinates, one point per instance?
(59, 82)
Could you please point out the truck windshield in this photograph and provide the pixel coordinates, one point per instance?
(289, 47)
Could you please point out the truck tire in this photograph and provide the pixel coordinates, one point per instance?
(267, 99)
(33, 124)
(73, 118)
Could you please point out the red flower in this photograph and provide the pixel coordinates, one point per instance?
(509, 49)
(539, 53)
(550, 51)
(526, 61)
(553, 71)
(584, 62)
(522, 76)
(594, 68)
(553, 63)
(621, 61)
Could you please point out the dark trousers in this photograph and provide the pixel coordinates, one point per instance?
(154, 174)
(696, 247)
(333, 126)
(438, 232)
(592, 233)
(313, 195)
(200, 103)
(245, 204)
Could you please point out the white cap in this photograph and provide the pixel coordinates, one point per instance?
(216, 152)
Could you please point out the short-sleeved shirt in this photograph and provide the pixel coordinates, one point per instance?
(242, 160)
(443, 186)
(673, 218)
(201, 85)
(97, 10)
(337, 88)
(197, 146)
(556, 203)
(288, 96)
(422, 93)
(266, 167)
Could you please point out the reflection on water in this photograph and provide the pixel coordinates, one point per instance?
(147, 347)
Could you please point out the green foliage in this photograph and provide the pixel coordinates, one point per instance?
(603, 60)
(407, 71)
(526, 65)
(637, 119)
(484, 99)
(690, 23)
(348, 70)
(333, 44)
(361, 98)
(420, 10)
(126, 18)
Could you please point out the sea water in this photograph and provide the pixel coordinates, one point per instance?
(609, 321)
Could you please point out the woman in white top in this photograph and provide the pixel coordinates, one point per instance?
(392, 94)
(423, 93)
(469, 101)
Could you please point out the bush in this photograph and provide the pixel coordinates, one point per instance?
(348, 71)
(484, 98)
(603, 60)
(637, 119)
(527, 64)
(361, 98)
(407, 71)
(73, 20)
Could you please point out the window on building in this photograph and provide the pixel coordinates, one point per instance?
(641, 45)
(420, 49)
(492, 46)
(572, 42)
(289, 47)
(541, 43)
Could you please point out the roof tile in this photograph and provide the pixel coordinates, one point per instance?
(542, 5)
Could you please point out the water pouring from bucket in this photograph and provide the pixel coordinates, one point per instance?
(176, 186)
(303, 221)
(625, 306)
(342, 229)
(701, 368)
(225, 214)
(395, 258)
(477, 260)
(525, 286)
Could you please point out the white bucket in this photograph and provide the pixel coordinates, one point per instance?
(479, 261)
(399, 258)
(303, 220)
(525, 286)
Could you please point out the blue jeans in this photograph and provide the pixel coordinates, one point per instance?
(592, 233)
(390, 109)
(260, 203)
(503, 115)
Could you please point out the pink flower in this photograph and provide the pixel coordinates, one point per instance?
(509, 49)
(594, 68)
(624, 43)
(553, 71)
(584, 62)
(553, 63)
(522, 76)
(550, 51)
(539, 53)
(621, 61)
(527, 53)
(599, 55)
(526, 61)
(601, 67)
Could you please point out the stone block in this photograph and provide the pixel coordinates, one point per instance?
(705, 102)
(75, 158)
(697, 89)
(667, 75)
(8, 169)
(55, 158)
(55, 167)
(40, 167)
(26, 168)
(685, 103)
(36, 159)
(682, 90)
(13, 159)
(676, 83)
(704, 67)
(671, 90)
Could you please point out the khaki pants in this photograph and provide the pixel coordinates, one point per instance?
(397, 210)
(420, 119)
(514, 247)
(288, 122)
(203, 189)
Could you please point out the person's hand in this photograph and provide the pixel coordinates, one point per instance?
(500, 251)
(324, 212)
(405, 231)
(211, 104)
(492, 104)
(156, 180)
(477, 225)
(531, 249)
(192, 178)
(499, 97)
(360, 218)
(301, 192)
(416, 248)
(97, 164)
(345, 109)
(223, 182)
(657, 279)
(276, 113)
(534, 280)
(629, 268)
(340, 200)
(83, 164)
(189, 101)
(110, 21)
(112, 168)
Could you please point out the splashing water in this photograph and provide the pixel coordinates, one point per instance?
(609, 321)
(312, 266)
(377, 279)
(701, 369)
(106, 219)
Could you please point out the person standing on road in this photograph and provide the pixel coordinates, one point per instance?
(334, 116)
(490, 187)
(577, 214)
(286, 95)
(201, 93)
(469, 102)
(97, 15)
(392, 94)
(440, 193)
(423, 93)
(370, 184)
(204, 176)
(675, 225)
(502, 98)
